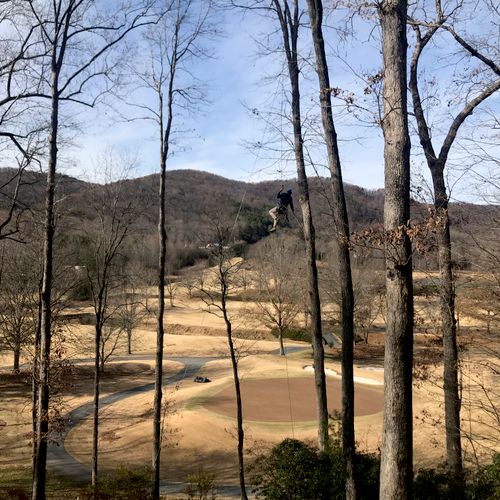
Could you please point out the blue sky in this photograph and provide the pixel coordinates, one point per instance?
(236, 79)
(223, 129)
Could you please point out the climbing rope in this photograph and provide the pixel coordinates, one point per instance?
(258, 157)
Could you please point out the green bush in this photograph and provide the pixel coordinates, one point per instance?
(126, 484)
(368, 471)
(485, 483)
(240, 249)
(300, 334)
(436, 484)
(202, 486)
(14, 494)
(480, 484)
(81, 290)
(292, 471)
(185, 257)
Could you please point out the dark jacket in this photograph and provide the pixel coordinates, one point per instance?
(285, 200)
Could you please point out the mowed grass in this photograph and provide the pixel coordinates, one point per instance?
(121, 483)
(16, 484)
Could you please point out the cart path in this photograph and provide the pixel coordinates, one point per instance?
(64, 464)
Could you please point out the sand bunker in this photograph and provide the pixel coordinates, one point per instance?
(293, 399)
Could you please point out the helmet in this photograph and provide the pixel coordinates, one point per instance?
(289, 191)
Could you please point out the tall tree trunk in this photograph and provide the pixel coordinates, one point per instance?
(396, 468)
(289, 22)
(239, 405)
(452, 402)
(343, 256)
(162, 235)
(95, 425)
(436, 166)
(34, 384)
(42, 423)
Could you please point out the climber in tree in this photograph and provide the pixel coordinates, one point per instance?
(280, 211)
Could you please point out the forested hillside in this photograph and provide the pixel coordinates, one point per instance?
(199, 201)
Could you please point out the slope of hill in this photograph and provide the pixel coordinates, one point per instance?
(199, 201)
(193, 196)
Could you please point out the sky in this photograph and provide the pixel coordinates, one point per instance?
(238, 80)
(221, 133)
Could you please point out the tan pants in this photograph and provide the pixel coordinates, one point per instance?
(277, 216)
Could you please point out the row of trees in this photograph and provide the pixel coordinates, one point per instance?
(72, 53)
(393, 115)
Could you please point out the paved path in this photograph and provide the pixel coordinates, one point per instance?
(59, 460)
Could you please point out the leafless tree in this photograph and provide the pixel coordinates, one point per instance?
(369, 294)
(396, 468)
(133, 308)
(171, 46)
(189, 284)
(480, 300)
(20, 128)
(341, 224)
(278, 304)
(18, 300)
(172, 286)
(287, 14)
(114, 216)
(15, 181)
(218, 287)
(72, 42)
(484, 81)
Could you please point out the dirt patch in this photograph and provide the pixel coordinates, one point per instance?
(117, 369)
(178, 329)
(293, 399)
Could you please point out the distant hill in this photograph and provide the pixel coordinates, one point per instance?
(196, 199)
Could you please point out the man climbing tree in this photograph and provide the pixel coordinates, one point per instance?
(280, 211)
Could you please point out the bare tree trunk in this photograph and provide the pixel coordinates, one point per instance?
(436, 166)
(343, 256)
(280, 338)
(17, 355)
(34, 385)
(42, 423)
(239, 405)
(396, 469)
(129, 341)
(452, 402)
(290, 22)
(95, 425)
(162, 235)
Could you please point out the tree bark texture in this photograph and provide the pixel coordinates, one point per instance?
(289, 23)
(34, 384)
(95, 422)
(129, 341)
(282, 346)
(436, 163)
(42, 422)
(396, 470)
(341, 222)
(452, 403)
(239, 405)
(17, 355)
(160, 334)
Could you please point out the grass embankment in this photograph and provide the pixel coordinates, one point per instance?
(16, 484)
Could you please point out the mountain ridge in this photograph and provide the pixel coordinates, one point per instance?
(197, 199)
